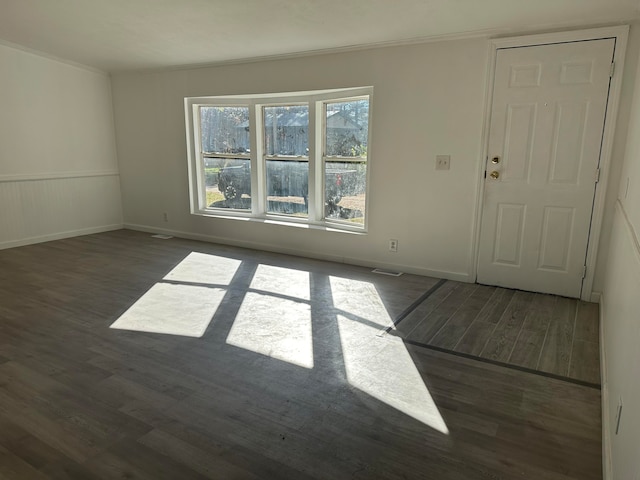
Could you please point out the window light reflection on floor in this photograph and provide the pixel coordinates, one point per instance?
(172, 309)
(275, 327)
(275, 320)
(379, 365)
(205, 269)
(271, 324)
(360, 299)
(282, 281)
(185, 301)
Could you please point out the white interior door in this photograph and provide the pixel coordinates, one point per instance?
(547, 119)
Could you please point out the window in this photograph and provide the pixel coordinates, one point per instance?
(346, 130)
(226, 161)
(295, 158)
(286, 157)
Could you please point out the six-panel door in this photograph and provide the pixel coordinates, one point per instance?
(547, 119)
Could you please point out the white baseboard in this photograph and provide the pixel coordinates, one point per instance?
(595, 297)
(607, 467)
(58, 236)
(362, 262)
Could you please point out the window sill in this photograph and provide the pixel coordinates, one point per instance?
(324, 226)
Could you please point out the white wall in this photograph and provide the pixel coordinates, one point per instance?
(58, 166)
(620, 313)
(619, 147)
(428, 99)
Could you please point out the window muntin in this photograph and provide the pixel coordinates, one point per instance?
(333, 164)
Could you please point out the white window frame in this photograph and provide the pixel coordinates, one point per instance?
(317, 129)
(265, 157)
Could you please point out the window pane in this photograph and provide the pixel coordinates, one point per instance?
(345, 191)
(287, 187)
(347, 126)
(224, 129)
(228, 183)
(286, 130)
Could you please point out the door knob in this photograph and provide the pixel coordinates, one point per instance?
(495, 160)
(495, 174)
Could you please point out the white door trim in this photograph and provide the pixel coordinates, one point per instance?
(620, 33)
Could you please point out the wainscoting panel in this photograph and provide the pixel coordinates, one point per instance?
(35, 209)
(620, 355)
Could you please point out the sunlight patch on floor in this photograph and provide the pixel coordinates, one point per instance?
(274, 327)
(282, 281)
(205, 269)
(187, 305)
(275, 320)
(379, 365)
(360, 299)
(172, 309)
(383, 368)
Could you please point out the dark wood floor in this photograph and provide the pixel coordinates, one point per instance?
(534, 331)
(81, 400)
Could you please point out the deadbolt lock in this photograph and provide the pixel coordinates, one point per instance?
(495, 160)
(495, 174)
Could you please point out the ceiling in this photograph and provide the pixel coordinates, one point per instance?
(118, 35)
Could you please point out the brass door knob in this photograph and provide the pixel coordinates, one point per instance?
(495, 174)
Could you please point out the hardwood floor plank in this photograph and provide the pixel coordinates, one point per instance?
(79, 399)
(495, 307)
(118, 391)
(192, 457)
(118, 465)
(216, 444)
(434, 321)
(24, 445)
(68, 470)
(70, 372)
(526, 351)
(132, 455)
(511, 397)
(453, 330)
(475, 338)
(584, 361)
(587, 322)
(47, 430)
(501, 343)
(97, 422)
(13, 467)
(541, 312)
(414, 318)
(556, 452)
(556, 352)
(159, 377)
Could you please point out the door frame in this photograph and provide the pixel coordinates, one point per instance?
(620, 34)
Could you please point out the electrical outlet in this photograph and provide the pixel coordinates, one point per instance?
(165, 217)
(443, 162)
(393, 245)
